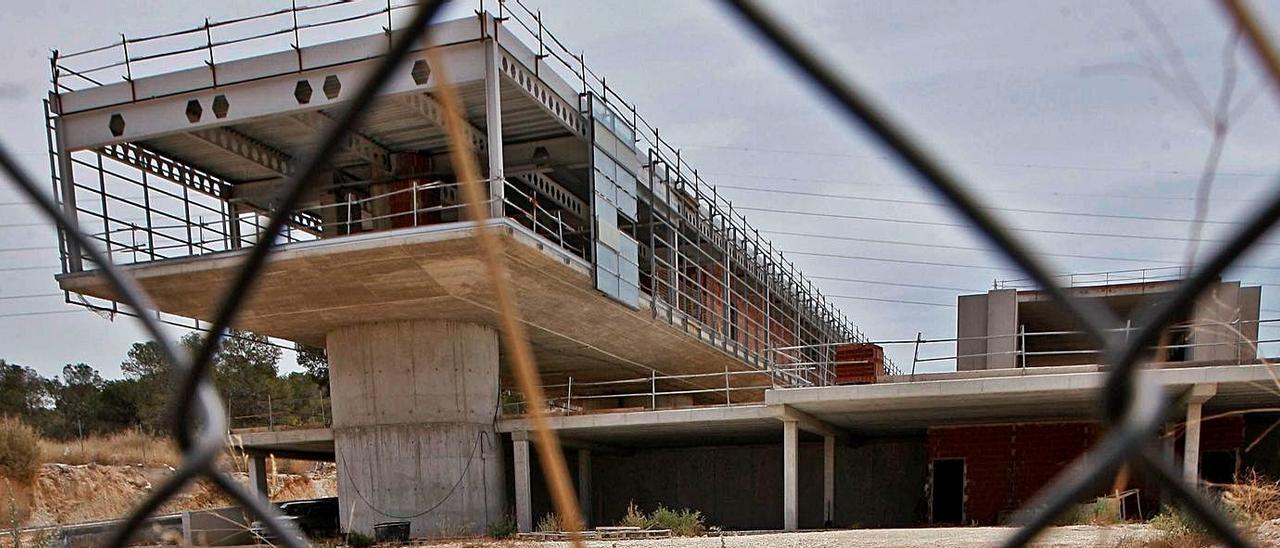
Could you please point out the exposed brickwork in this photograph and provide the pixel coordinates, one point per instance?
(1006, 464)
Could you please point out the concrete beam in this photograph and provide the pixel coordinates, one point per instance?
(1196, 397)
(809, 423)
(524, 503)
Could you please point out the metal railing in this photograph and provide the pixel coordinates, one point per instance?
(272, 414)
(213, 42)
(1102, 278)
(659, 391)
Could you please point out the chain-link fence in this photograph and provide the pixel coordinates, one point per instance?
(1134, 410)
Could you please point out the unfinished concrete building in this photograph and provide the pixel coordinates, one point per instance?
(625, 263)
(689, 363)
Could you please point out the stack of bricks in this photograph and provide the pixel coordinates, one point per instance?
(859, 363)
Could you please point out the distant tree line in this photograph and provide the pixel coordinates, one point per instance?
(79, 402)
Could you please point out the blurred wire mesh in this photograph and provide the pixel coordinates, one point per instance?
(1134, 410)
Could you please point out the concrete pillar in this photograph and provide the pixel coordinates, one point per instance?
(413, 412)
(258, 475)
(584, 485)
(971, 332)
(790, 474)
(524, 503)
(828, 480)
(1200, 393)
(1002, 328)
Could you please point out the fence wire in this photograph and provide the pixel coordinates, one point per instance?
(1133, 409)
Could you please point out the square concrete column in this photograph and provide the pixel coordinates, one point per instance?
(258, 474)
(1002, 328)
(1200, 393)
(828, 480)
(584, 485)
(524, 509)
(790, 474)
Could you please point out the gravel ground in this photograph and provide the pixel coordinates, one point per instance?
(950, 536)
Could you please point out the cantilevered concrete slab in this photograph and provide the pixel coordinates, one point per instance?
(305, 444)
(1012, 395)
(309, 289)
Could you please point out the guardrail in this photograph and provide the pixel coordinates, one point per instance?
(274, 414)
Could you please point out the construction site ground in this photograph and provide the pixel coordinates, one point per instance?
(1069, 536)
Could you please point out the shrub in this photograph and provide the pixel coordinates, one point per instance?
(684, 523)
(1102, 511)
(356, 539)
(1254, 499)
(634, 517)
(505, 527)
(19, 451)
(550, 523)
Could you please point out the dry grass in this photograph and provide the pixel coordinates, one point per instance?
(1255, 498)
(130, 447)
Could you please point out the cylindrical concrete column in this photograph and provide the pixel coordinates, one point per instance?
(413, 426)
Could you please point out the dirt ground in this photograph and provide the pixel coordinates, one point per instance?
(65, 493)
(1073, 536)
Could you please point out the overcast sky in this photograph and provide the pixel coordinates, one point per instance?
(1046, 106)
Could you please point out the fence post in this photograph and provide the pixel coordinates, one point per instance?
(1022, 341)
(271, 418)
(568, 404)
(653, 389)
(727, 401)
(915, 355)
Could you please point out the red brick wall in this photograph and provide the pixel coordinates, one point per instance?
(1006, 464)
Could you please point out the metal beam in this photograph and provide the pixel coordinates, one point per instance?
(362, 146)
(427, 107)
(544, 96)
(173, 170)
(246, 147)
(168, 168)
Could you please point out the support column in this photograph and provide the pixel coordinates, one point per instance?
(790, 474)
(258, 475)
(413, 426)
(1200, 393)
(828, 480)
(67, 190)
(584, 485)
(524, 505)
(493, 124)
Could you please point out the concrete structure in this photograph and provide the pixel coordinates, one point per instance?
(1016, 327)
(624, 263)
(688, 362)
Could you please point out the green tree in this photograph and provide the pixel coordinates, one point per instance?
(118, 406)
(78, 399)
(315, 362)
(155, 380)
(246, 367)
(24, 394)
